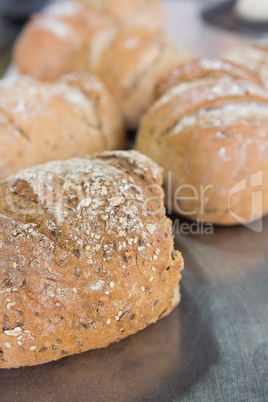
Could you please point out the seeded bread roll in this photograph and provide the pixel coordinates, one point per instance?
(40, 122)
(209, 130)
(254, 55)
(86, 256)
(129, 61)
(146, 13)
(55, 42)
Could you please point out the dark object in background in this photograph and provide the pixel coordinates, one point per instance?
(8, 33)
(223, 15)
(19, 10)
(12, 15)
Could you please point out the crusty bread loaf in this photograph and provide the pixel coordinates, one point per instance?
(129, 61)
(209, 129)
(254, 55)
(86, 256)
(74, 38)
(147, 13)
(56, 41)
(40, 122)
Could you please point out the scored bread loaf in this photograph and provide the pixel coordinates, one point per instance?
(208, 128)
(129, 61)
(202, 69)
(146, 13)
(56, 40)
(254, 55)
(40, 122)
(86, 255)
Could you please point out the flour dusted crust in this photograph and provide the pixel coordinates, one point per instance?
(40, 122)
(144, 13)
(129, 61)
(209, 128)
(56, 41)
(74, 37)
(254, 55)
(86, 256)
(202, 68)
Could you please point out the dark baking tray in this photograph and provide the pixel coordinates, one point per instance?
(224, 16)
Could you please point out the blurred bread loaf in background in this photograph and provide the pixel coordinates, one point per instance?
(40, 121)
(129, 61)
(146, 13)
(208, 128)
(128, 57)
(56, 41)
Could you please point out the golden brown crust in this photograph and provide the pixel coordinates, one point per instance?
(147, 13)
(56, 41)
(37, 118)
(128, 59)
(86, 256)
(195, 131)
(254, 55)
(202, 68)
(130, 62)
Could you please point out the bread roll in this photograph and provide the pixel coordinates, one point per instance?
(72, 37)
(40, 122)
(129, 61)
(56, 41)
(209, 130)
(86, 256)
(146, 13)
(254, 55)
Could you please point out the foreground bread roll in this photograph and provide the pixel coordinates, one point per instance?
(56, 41)
(209, 129)
(147, 13)
(129, 61)
(254, 55)
(40, 122)
(86, 256)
